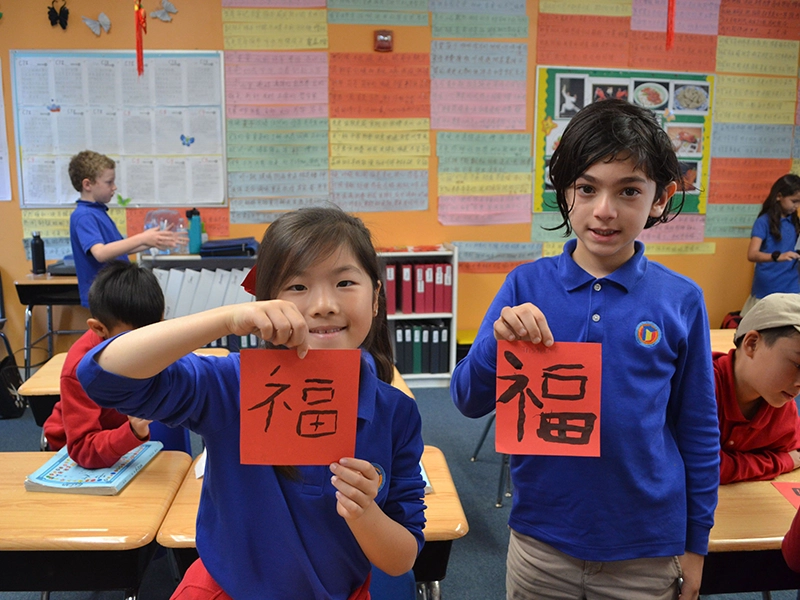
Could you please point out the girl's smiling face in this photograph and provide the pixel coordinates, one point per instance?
(337, 299)
(609, 207)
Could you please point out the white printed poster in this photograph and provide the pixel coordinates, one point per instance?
(5, 169)
(165, 129)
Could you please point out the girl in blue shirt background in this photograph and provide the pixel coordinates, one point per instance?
(268, 532)
(773, 240)
(634, 522)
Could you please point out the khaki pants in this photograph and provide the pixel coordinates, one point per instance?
(535, 570)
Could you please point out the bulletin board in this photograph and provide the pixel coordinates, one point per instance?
(682, 102)
(165, 129)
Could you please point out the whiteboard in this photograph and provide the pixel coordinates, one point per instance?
(165, 129)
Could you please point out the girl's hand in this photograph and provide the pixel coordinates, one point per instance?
(357, 483)
(275, 321)
(790, 255)
(524, 322)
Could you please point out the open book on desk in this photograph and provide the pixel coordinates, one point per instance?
(62, 474)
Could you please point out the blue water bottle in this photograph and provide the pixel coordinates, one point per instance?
(195, 230)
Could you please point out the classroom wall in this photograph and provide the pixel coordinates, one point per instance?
(724, 276)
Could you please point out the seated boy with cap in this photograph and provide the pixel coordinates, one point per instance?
(756, 384)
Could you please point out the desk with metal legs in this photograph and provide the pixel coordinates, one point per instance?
(75, 542)
(49, 291)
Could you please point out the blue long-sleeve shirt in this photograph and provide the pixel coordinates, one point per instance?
(653, 490)
(261, 535)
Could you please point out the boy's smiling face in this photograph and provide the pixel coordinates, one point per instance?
(102, 189)
(609, 207)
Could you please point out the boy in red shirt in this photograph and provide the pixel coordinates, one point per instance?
(756, 384)
(122, 297)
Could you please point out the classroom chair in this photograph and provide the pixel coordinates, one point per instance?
(504, 487)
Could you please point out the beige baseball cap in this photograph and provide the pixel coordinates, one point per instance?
(775, 310)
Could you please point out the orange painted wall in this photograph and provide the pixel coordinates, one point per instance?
(725, 277)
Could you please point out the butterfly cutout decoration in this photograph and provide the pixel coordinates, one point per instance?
(187, 141)
(60, 16)
(163, 13)
(95, 25)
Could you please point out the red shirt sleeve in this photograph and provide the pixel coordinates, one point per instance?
(96, 437)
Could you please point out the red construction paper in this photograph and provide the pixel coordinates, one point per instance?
(790, 491)
(548, 399)
(298, 411)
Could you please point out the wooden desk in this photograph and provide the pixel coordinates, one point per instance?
(43, 388)
(47, 290)
(744, 550)
(446, 520)
(72, 542)
(722, 339)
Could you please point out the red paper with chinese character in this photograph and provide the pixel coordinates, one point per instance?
(548, 399)
(790, 491)
(298, 411)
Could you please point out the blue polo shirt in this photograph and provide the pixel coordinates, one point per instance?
(653, 490)
(775, 277)
(89, 224)
(262, 536)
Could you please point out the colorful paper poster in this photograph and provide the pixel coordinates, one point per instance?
(583, 40)
(691, 16)
(274, 29)
(757, 56)
(298, 411)
(777, 19)
(548, 399)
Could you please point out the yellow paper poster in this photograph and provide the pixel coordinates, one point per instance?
(757, 56)
(604, 8)
(663, 249)
(380, 125)
(381, 163)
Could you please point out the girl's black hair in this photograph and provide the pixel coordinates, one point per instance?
(615, 130)
(788, 185)
(298, 239)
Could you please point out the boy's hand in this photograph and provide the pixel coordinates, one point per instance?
(795, 456)
(692, 567)
(524, 322)
(357, 482)
(164, 239)
(275, 321)
(140, 427)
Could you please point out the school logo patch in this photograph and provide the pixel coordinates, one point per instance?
(648, 334)
(381, 476)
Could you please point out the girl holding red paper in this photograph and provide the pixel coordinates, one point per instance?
(267, 532)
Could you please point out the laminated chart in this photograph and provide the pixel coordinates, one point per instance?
(164, 129)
